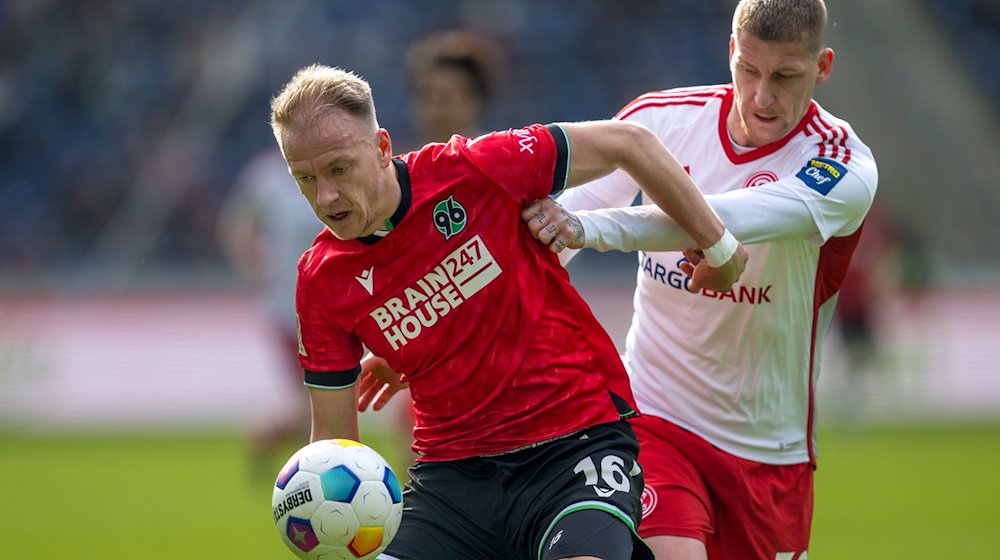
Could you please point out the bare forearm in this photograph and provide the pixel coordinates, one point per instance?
(334, 413)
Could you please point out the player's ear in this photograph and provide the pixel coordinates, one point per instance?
(825, 62)
(384, 144)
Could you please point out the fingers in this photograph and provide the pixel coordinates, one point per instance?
(368, 388)
(694, 259)
(545, 221)
(694, 255)
(530, 211)
(384, 396)
(535, 215)
(552, 225)
(377, 383)
(688, 269)
(719, 279)
(374, 393)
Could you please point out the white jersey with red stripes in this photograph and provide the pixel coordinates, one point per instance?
(740, 368)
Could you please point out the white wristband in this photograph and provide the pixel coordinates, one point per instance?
(720, 253)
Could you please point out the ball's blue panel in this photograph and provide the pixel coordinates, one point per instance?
(339, 484)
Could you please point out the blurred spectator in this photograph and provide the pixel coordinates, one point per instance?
(131, 125)
(453, 76)
(870, 281)
(133, 122)
(265, 226)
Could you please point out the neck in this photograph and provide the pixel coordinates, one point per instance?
(734, 126)
(391, 196)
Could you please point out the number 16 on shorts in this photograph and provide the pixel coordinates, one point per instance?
(610, 477)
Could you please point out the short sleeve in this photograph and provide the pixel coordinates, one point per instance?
(329, 354)
(617, 189)
(529, 163)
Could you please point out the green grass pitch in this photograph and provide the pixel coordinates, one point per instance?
(888, 493)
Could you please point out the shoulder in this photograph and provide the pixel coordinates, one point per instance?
(837, 170)
(463, 153)
(319, 259)
(437, 154)
(685, 99)
(834, 142)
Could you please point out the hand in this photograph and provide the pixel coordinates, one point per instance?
(377, 384)
(553, 225)
(716, 279)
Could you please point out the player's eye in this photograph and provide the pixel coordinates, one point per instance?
(340, 170)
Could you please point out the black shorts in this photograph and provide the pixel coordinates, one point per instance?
(504, 507)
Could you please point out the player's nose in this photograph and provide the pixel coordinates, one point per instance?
(327, 192)
(764, 97)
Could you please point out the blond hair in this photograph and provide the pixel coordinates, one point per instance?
(783, 21)
(317, 89)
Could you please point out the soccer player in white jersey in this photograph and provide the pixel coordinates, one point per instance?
(726, 381)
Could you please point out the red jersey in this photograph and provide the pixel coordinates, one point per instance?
(499, 350)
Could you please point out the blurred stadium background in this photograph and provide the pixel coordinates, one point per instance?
(133, 359)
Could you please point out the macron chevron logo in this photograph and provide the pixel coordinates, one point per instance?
(367, 279)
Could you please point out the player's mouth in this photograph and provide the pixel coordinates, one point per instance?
(339, 216)
(765, 119)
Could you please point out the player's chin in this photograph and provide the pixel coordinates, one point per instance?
(343, 233)
(765, 132)
(345, 227)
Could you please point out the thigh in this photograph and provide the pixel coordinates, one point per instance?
(596, 470)
(738, 508)
(449, 513)
(588, 532)
(676, 501)
(764, 511)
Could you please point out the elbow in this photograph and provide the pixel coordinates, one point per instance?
(634, 134)
(634, 142)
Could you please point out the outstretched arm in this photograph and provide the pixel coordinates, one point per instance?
(600, 147)
(597, 148)
(752, 215)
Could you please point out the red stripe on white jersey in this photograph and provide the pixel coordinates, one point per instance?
(834, 258)
(811, 129)
(685, 92)
(682, 96)
(632, 109)
(837, 139)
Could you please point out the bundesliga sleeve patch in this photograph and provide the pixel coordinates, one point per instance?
(822, 174)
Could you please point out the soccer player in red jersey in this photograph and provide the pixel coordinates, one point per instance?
(728, 429)
(519, 394)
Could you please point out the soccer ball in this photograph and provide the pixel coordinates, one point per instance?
(337, 499)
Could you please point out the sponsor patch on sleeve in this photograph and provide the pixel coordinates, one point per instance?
(821, 174)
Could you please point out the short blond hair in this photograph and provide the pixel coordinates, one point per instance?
(317, 89)
(783, 21)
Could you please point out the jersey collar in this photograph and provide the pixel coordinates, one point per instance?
(403, 175)
(761, 151)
